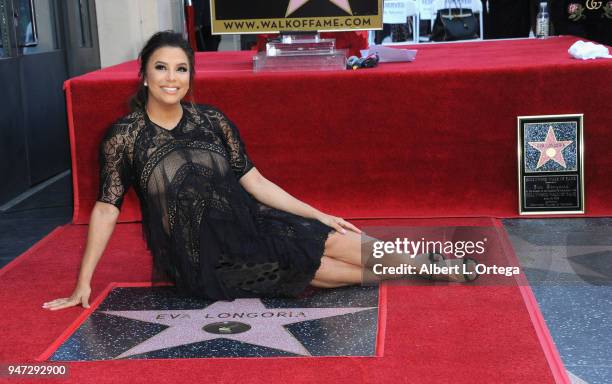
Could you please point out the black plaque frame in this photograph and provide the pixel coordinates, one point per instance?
(563, 188)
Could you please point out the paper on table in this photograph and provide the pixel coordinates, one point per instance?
(389, 55)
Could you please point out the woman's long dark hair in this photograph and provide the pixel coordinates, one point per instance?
(159, 40)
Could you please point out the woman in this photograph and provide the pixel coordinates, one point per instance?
(214, 225)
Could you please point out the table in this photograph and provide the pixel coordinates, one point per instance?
(436, 137)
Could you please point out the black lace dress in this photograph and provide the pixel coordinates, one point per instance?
(206, 233)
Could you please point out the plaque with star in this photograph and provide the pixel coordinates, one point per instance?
(146, 322)
(550, 164)
(264, 16)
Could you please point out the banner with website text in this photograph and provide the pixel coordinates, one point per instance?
(265, 16)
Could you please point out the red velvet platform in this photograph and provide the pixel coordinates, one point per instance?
(436, 137)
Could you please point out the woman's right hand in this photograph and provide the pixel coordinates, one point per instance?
(103, 219)
(79, 296)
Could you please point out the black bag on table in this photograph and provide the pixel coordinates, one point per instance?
(455, 24)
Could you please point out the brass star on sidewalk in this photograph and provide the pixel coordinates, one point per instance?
(295, 4)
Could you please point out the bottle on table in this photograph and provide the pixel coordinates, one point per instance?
(543, 22)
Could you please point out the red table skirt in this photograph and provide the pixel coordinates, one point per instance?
(436, 137)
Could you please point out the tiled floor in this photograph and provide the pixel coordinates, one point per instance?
(569, 265)
(26, 223)
(567, 261)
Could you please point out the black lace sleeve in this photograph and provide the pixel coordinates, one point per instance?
(115, 174)
(239, 160)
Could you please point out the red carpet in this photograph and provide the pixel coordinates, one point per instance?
(434, 334)
(433, 138)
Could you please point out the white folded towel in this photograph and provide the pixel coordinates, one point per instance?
(588, 50)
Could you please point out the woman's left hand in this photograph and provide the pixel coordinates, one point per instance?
(337, 223)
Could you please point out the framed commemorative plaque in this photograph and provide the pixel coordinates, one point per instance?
(550, 164)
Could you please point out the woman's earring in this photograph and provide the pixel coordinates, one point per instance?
(145, 83)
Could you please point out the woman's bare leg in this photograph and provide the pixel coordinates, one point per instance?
(333, 272)
(344, 264)
(341, 263)
(320, 284)
(349, 248)
(346, 248)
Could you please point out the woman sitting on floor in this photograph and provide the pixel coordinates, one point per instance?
(214, 224)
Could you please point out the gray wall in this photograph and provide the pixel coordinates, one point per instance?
(34, 143)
